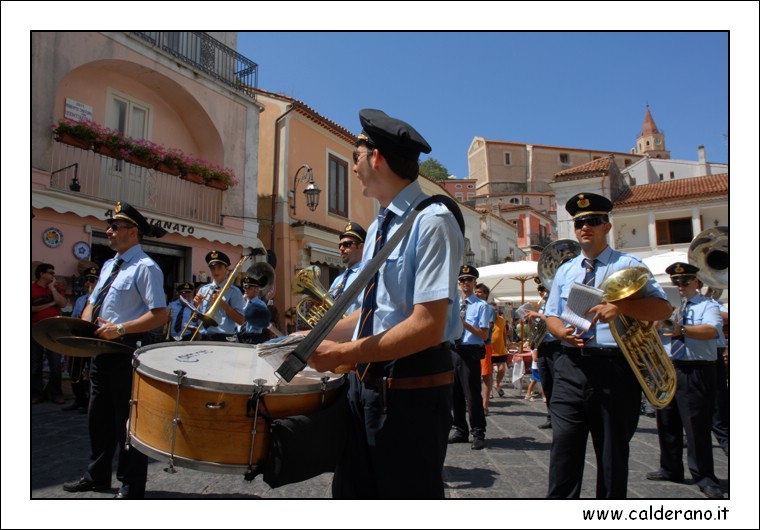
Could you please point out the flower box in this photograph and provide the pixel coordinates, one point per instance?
(70, 139)
(192, 177)
(218, 184)
(169, 170)
(132, 159)
(107, 150)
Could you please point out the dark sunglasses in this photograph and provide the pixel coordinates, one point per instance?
(358, 154)
(345, 244)
(115, 228)
(682, 282)
(591, 221)
(466, 279)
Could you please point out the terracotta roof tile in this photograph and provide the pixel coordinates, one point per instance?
(600, 166)
(708, 187)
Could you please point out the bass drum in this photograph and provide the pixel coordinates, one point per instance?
(209, 406)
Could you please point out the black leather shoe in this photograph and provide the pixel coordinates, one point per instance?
(477, 444)
(662, 476)
(85, 485)
(458, 438)
(124, 493)
(546, 425)
(712, 492)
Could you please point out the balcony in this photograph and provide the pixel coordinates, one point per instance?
(206, 54)
(110, 179)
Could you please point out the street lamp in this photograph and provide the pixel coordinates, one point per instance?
(470, 257)
(311, 192)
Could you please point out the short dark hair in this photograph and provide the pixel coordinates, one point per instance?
(403, 167)
(41, 269)
(483, 287)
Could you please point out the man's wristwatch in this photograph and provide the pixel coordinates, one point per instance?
(121, 330)
(683, 331)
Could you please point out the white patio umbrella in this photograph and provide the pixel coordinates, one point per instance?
(511, 281)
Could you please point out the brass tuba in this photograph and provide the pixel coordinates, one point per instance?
(709, 252)
(317, 301)
(639, 340)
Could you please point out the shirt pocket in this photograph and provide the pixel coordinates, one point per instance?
(122, 283)
(393, 274)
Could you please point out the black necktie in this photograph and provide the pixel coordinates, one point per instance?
(678, 344)
(589, 280)
(342, 286)
(178, 320)
(369, 303)
(104, 290)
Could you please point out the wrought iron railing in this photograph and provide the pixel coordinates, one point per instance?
(203, 52)
(90, 174)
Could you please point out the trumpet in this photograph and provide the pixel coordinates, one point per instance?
(168, 326)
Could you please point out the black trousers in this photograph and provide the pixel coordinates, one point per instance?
(397, 443)
(600, 396)
(547, 354)
(468, 391)
(720, 425)
(690, 411)
(111, 390)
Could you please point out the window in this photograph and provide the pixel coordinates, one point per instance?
(564, 158)
(627, 162)
(520, 229)
(514, 200)
(540, 200)
(672, 231)
(507, 159)
(119, 180)
(459, 196)
(338, 186)
(660, 175)
(672, 175)
(458, 186)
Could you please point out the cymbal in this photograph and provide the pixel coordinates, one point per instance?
(74, 337)
(86, 347)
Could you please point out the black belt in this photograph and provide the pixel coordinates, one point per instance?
(693, 363)
(468, 347)
(592, 352)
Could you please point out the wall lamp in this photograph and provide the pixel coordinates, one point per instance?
(311, 192)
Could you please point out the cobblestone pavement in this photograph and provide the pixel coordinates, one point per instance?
(514, 463)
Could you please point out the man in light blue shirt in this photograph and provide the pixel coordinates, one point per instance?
(351, 248)
(466, 354)
(181, 313)
(400, 391)
(692, 347)
(127, 303)
(229, 311)
(595, 390)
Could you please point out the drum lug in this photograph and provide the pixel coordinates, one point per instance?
(215, 406)
(323, 388)
(176, 420)
(135, 360)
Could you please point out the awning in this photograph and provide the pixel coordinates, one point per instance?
(86, 207)
(321, 254)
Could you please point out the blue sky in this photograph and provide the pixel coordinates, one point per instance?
(571, 89)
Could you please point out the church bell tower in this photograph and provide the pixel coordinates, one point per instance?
(651, 141)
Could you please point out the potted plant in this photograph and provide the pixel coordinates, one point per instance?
(220, 178)
(172, 161)
(196, 170)
(80, 134)
(111, 143)
(142, 152)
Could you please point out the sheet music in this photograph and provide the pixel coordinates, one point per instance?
(580, 299)
(274, 351)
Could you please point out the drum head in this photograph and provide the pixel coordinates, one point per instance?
(226, 367)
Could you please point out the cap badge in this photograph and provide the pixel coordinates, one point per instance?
(583, 202)
(118, 207)
(214, 254)
(679, 269)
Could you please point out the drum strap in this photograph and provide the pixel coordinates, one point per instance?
(296, 361)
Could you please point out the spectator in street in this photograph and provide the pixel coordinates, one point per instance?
(47, 300)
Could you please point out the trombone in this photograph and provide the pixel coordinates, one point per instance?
(206, 319)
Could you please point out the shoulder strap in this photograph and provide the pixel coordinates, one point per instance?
(449, 203)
